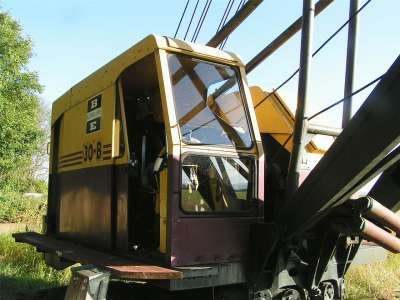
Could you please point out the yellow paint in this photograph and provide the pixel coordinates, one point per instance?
(109, 73)
(124, 158)
(72, 108)
(115, 138)
(73, 136)
(72, 105)
(162, 207)
(275, 118)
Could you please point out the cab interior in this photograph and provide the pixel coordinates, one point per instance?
(146, 142)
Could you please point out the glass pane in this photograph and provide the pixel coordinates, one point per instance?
(216, 184)
(208, 103)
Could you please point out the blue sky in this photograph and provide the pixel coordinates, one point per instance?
(73, 38)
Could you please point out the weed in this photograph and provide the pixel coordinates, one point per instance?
(14, 208)
(374, 281)
(23, 269)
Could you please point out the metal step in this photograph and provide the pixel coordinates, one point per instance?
(119, 267)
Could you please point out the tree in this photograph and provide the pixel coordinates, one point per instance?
(20, 133)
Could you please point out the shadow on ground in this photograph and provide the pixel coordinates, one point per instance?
(117, 290)
(19, 288)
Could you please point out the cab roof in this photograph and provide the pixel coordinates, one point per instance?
(109, 73)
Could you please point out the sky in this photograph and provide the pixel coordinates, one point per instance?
(74, 38)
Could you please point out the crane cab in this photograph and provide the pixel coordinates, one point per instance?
(157, 155)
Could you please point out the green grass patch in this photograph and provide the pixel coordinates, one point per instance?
(374, 281)
(15, 208)
(22, 269)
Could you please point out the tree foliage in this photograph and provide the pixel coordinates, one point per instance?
(20, 109)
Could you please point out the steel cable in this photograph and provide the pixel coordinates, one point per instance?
(180, 21)
(282, 146)
(226, 16)
(241, 3)
(315, 52)
(201, 20)
(223, 16)
(344, 98)
(191, 19)
(294, 74)
(201, 25)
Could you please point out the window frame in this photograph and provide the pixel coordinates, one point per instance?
(254, 197)
(243, 99)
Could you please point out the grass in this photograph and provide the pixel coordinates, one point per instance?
(375, 281)
(14, 208)
(23, 269)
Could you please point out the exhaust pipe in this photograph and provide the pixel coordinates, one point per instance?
(373, 210)
(368, 230)
(375, 234)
